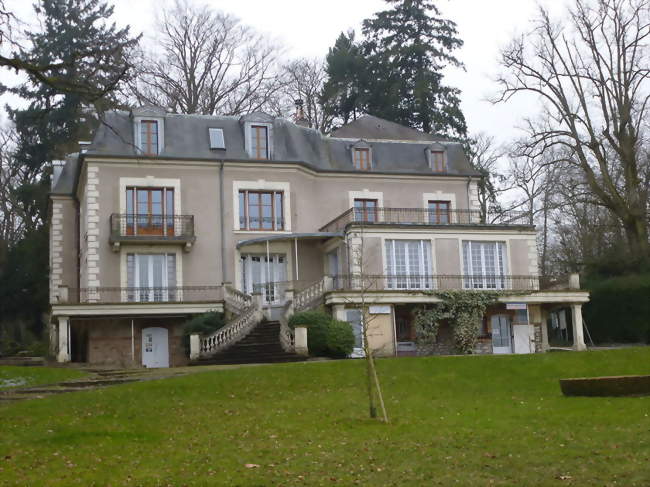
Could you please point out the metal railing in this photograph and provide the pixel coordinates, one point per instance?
(126, 226)
(435, 282)
(181, 294)
(425, 216)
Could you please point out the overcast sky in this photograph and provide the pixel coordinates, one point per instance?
(309, 28)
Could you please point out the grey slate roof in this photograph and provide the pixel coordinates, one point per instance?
(65, 185)
(186, 137)
(371, 127)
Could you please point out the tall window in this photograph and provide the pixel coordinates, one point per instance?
(438, 161)
(365, 210)
(261, 210)
(484, 265)
(267, 276)
(408, 263)
(149, 137)
(149, 211)
(362, 159)
(151, 277)
(259, 142)
(439, 212)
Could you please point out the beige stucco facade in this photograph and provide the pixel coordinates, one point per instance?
(85, 254)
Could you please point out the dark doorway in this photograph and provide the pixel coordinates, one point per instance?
(404, 330)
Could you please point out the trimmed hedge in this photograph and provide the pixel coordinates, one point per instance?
(619, 309)
(325, 336)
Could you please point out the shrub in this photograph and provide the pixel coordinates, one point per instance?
(317, 323)
(619, 309)
(203, 324)
(340, 339)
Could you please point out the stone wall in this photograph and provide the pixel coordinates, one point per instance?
(445, 344)
(109, 340)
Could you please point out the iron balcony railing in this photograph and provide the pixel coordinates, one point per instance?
(386, 282)
(109, 295)
(425, 216)
(125, 227)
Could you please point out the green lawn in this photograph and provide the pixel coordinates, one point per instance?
(11, 376)
(455, 420)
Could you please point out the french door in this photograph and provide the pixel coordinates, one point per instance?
(408, 264)
(150, 211)
(265, 275)
(151, 277)
(501, 334)
(484, 265)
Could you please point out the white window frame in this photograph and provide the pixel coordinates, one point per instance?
(248, 139)
(168, 293)
(274, 287)
(137, 132)
(424, 278)
(262, 185)
(479, 278)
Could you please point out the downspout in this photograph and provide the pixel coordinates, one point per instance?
(469, 206)
(222, 225)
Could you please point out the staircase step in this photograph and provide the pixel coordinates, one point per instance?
(261, 345)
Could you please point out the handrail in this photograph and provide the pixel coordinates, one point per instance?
(233, 332)
(425, 216)
(136, 226)
(170, 294)
(428, 282)
(312, 294)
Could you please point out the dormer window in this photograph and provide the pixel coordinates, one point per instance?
(259, 142)
(149, 130)
(437, 158)
(361, 153)
(362, 159)
(438, 161)
(149, 137)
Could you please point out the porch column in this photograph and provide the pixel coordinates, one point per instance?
(64, 339)
(339, 312)
(578, 334)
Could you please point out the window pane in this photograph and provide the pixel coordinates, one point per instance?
(279, 212)
(242, 210)
(253, 198)
(254, 217)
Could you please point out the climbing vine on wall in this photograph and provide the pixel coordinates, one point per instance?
(463, 309)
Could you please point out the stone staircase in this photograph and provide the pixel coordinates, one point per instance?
(261, 345)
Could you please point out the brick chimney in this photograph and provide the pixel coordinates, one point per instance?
(299, 116)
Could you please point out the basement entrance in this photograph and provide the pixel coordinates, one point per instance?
(405, 330)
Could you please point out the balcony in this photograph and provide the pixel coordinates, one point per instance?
(438, 282)
(140, 295)
(425, 217)
(151, 229)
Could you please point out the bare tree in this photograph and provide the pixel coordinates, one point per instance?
(592, 72)
(484, 156)
(360, 280)
(206, 61)
(303, 79)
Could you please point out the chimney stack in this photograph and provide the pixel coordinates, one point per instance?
(299, 117)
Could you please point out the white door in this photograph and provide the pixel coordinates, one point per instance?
(155, 347)
(501, 339)
(524, 337)
(355, 318)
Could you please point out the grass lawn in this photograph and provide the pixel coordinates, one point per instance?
(15, 376)
(491, 420)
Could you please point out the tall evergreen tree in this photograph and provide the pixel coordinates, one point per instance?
(81, 48)
(343, 92)
(408, 47)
